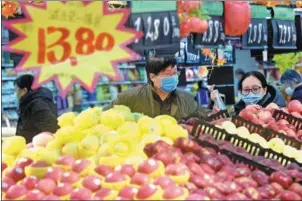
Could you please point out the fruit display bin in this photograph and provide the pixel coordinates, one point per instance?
(237, 158)
(219, 115)
(265, 132)
(254, 149)
(295, 121)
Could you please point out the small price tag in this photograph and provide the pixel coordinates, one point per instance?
(214, 36)
(284, 34)
(256, 35)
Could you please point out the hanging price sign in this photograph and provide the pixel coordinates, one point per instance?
(72, 42)
(284, 29)
(158, 21)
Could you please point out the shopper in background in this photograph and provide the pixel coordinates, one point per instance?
(239, 74)
(292, 82)
(254, 89)
(37, 111)
(161, 95)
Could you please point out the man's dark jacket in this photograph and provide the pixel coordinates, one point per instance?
(37, 113)
(298, 94)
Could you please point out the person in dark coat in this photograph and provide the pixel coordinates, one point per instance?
(254, 89)
(37, 111)
(292, 82)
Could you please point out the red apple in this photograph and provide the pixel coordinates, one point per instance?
(224, 159)
(176, 169)
(246, 182)
(197, 197)
(164, 182)
(67, 161)
(6, 183)
(227, 187)
(16, 173)
(23, 162)
(295, 106)
(157, 147)
(70, 177)
(15, 192)
(297, 188)
(289, 195)
(3, 166)
(102, 193)
(80, 165)
(252, 193)
(81, 194)
(214, 163)
(173, 192)
(54, 173)
(202, 181)
(63, 189)
(51, 197)
(191, 157)
(277, 187)
(121, 198)
(195, 168)
(92, 183)
(39, 164)
(128, 192)
(34, 195)
(242, 170)
(115, 177)
(260, 177)
(267, 192)
(185, 144)
(140, 179)
(126, 169)
(282, 178)
(207, 169)
(30, 182)
(148, 166)
(190, 186)
(103, 170)
(214, 193)
(146, 191)
(236, 196)
(47, 186)
(165, 157)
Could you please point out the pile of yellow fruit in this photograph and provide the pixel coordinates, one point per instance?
(111, 137)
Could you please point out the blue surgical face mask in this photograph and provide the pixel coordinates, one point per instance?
(169, 84)
(251, 98)
(289, 91)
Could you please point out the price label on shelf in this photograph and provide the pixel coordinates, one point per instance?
(256, 35)
(159, 23)
(214, 36)
(72, 42)
(284, 34)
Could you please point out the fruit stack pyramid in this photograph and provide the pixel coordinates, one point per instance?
(119, 155)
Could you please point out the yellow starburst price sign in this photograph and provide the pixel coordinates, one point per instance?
(71, 42)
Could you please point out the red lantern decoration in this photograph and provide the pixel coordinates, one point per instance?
(237, 16)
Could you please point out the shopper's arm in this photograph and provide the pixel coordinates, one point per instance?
(43, 118)
(122, 99)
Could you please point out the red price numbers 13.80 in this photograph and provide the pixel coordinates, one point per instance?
(86, 43)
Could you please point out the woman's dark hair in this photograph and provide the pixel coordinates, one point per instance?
(157, 64)
(255, 74)
(24, 81)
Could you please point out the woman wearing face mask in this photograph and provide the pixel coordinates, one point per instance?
(254, 89)
(293, 84)
(161, 95)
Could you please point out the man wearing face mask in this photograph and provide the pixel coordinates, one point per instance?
(161, 95)
(37, 112)
(293, 84)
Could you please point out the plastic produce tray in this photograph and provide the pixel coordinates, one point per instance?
(265, 132)
(254, 149)
(295, 121)
(219, 115)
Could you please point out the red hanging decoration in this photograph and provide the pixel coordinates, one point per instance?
(237, 16)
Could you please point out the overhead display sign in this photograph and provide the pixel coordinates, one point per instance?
(256, 36)
(284, 28)
(215, 35)
(72, 42)
(158, 20)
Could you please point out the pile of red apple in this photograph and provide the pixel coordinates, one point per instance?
(264, 117)
(215, 176)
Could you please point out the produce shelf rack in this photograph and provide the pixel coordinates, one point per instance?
(266, 132)
(219, 115)
(295, 121)
(254, 149)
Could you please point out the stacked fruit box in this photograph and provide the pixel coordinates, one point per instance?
(119, 155)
